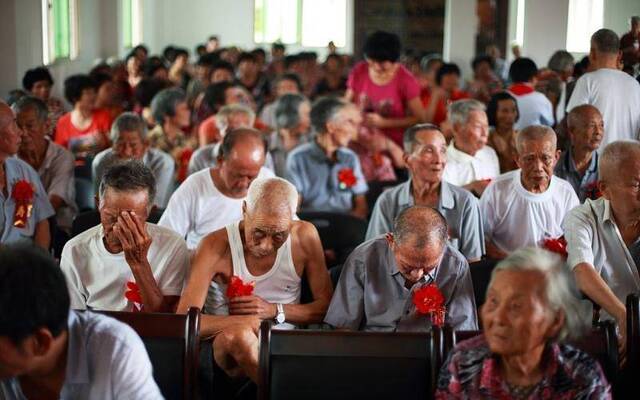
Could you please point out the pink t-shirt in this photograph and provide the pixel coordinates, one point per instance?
(390, 100)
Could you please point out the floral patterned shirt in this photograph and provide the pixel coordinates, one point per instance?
(472, 372)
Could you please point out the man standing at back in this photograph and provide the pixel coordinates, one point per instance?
(614, 93)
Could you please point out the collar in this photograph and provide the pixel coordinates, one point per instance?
(607, 215)
(570, 164)
(318, 153)
(77, 364)
(520, 89)
(445, 198)
(459, 155)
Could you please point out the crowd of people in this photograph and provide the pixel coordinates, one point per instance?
(227, 151)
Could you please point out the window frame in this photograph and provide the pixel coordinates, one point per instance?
(52, 33)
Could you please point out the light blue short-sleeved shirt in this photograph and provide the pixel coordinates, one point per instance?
(459, 207)
(316, 177)
(105, 360)
(371, 293)
(16, 170)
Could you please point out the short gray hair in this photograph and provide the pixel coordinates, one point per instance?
(31, 103)
(222, 117)
(560, 61)
(535, 133)
(128, 176)
(323, 111)
(560, 293)
(165, 102)
(425, 225)
(409, 137)
(272, 192)
(128, 122)
(459, 110)
(605, 41)
(614, 155)
(287, 110)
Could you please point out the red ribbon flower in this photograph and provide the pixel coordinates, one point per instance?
(429, 300)
(237, 287)
(558, 246)
(346, 178)
(22, 194)
(132, 293)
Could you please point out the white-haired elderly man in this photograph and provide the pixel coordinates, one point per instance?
(130, 142)
(603, 235)
(526, 206)
(230, 117)
(470, 162)
(269, 250)
(425, 154)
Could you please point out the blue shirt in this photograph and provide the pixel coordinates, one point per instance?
(316, 178)
(585, 185)
(105, 360)
(16, 170)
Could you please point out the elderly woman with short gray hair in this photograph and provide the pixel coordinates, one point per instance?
(529, 311)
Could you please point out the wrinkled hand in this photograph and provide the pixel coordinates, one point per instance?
(375, 120)
(252, 305)
(133, 237)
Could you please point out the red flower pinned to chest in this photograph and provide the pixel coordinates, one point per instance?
(237, 287)
(132, 293)
(346, 178)
(22, 194)
(558, 246)
(430, 301)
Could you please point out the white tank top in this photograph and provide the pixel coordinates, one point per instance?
(281, 284)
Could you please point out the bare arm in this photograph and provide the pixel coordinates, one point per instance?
(42, 235)
(360, 208)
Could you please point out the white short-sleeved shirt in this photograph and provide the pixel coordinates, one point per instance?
(514, 217)
(105, 360)
(97, 279)
(462, 168)
(617, 96)
(198, 208)
(534, 109)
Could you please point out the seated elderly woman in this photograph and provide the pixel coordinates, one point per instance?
(292, 123)
(172, 117)
(530, 310)
(130, 142)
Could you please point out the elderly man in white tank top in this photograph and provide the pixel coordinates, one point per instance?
(270, 250)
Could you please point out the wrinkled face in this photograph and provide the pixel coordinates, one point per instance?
(429, 156)
(382, 70)
(113, 203)
(473, 135)
(537, 158)
(10, 133)
(413, 262)
(343, 128)
(286, 86)
(241, 168)
(506, 113)
(304, 111)
(266, 231)
(221, 75)
(33, 128)
(515, 317)
(41, 90)
(87, 99)
(623, 189)
(15, 360)
(182, 117)
(589, 135)
(449, 82)
(130, 146)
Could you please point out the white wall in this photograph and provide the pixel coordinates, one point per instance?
(460, 26)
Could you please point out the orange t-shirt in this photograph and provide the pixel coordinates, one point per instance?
(89, 141)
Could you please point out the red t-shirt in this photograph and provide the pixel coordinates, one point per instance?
(89, 141)
(390, 100)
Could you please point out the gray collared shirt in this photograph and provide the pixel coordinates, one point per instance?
(161, 164)
(316, 178)
(585, 186)
(459, 207)
(594, 238)
(106, 360)
(371, 293)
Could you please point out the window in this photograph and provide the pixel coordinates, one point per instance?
(585, 17)
(59, 30)
(131, 23)
(301, 22)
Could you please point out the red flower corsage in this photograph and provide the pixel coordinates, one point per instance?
(558, 246)
(237, 287)
(346, 178)
(429, 300)
(132, 293)
(22, 194)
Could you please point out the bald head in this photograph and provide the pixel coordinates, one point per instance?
(616, 157)
(536, 134)
(272, 195)
(419, 226)
(581, 116)
(243, 143)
